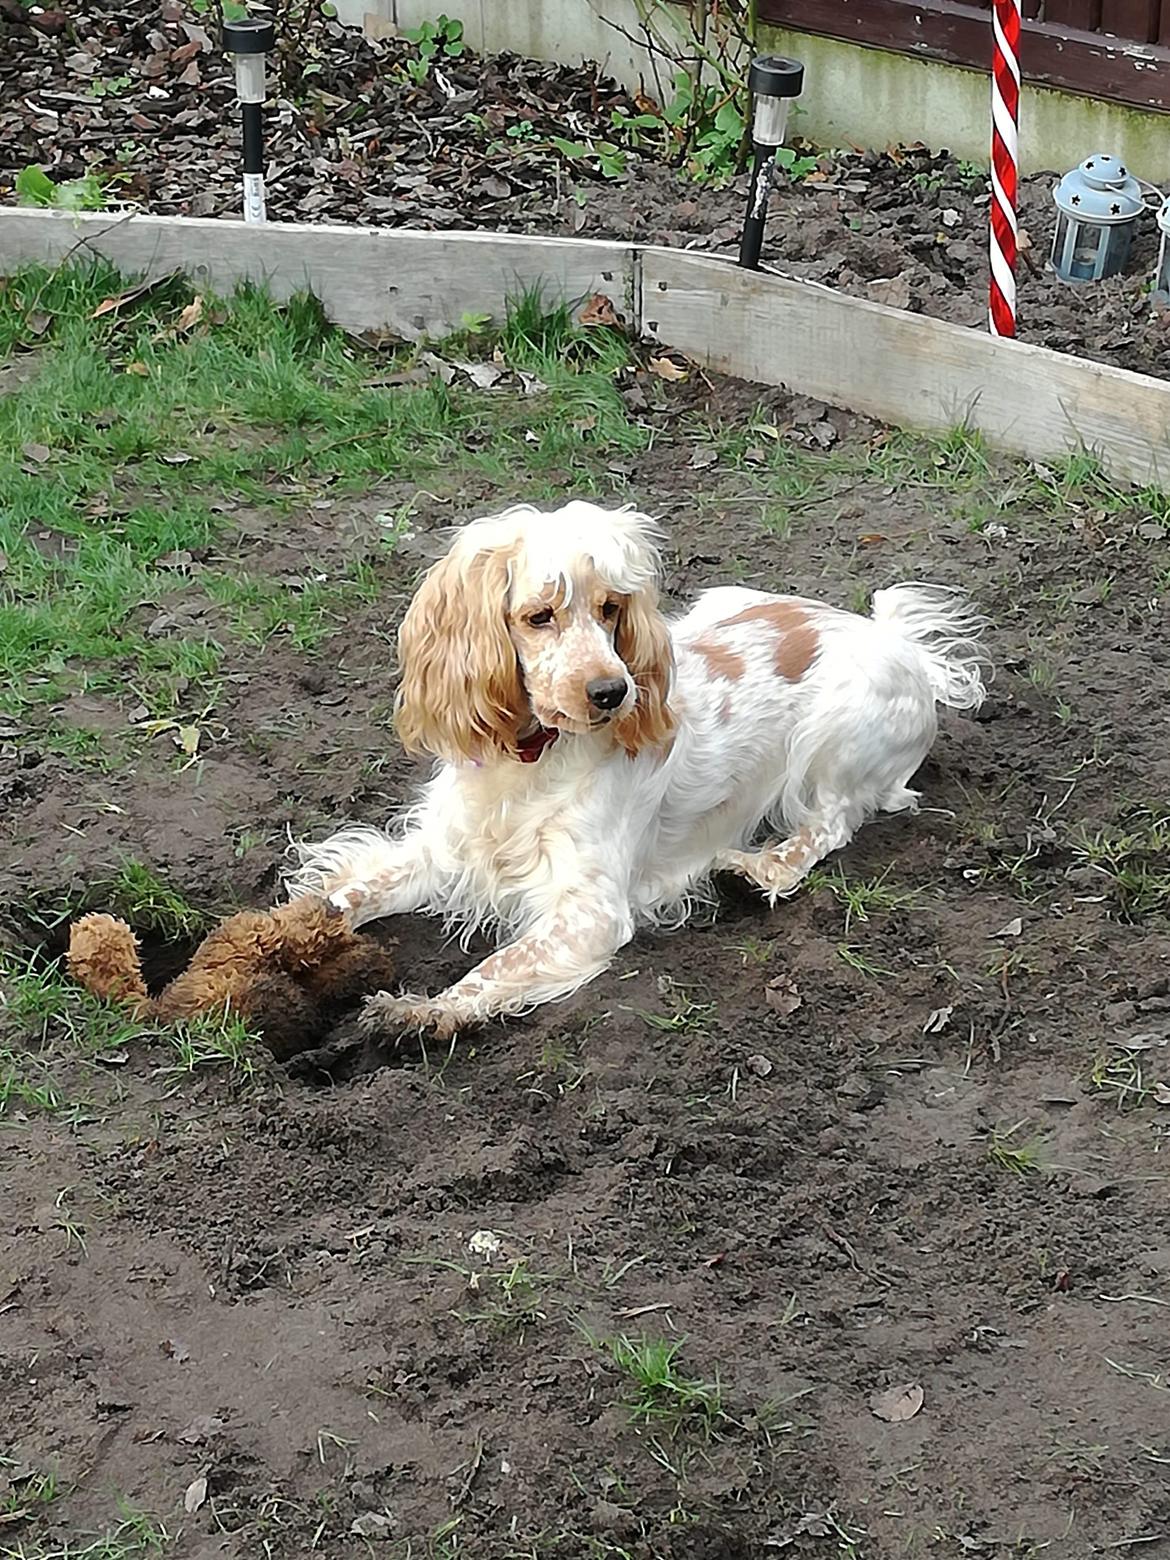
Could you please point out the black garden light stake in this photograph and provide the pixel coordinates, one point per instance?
(249, 42)
(773, 82)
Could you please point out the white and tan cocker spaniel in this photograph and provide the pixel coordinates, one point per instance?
(596, 763)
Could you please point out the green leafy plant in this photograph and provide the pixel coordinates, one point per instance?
(441, 39)
(35, 188)
(606, 156)
(713, 127)
(797, 167)
(109, 86)
(222, 10)
(708, 43)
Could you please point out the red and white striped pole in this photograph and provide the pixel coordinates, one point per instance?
(1005, 155)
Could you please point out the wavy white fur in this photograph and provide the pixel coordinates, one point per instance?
(775, 710)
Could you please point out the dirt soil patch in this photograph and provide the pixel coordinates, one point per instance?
(903, 1132)
(140, 96)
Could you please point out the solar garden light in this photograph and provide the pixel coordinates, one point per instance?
(249, 42)
(1097, 204)
(773, 83)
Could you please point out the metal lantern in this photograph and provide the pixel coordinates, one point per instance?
(774, 83)
(1097, 206)
(249, 42)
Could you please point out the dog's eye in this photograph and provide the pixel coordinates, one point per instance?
(609, 610)
(541, 619)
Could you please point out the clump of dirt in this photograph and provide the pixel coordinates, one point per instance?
(900, 1132)
(143, 98)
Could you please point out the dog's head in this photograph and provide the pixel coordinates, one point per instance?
(537, 622)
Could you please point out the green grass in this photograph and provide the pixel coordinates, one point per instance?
(1121, 1075)
(135, 1535)
(27, 1087)
(855, 959)
(1133, 858)
(661, 1393)
(30, 1492)
(683, 1015)
(1006, 1150)
(512, 1299)
(135, 892)
(123, 456)
(48, 1025)
(862, 898)
(45, 1009)
(213, 1040)
(149, 904)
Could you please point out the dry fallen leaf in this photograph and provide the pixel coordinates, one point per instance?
(138, 368)
(187, 738)
(782, 996)
(938, 1020)
(38, 452)
(436, 365)
(196, 1494)
(666, 369)
(190, 316)
(1162, 1094)
(599, 310)
(482, 375)
(1013, 928)
(371, 1524)
(897, 1404)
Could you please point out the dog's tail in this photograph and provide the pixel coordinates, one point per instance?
(946, 632)
(103, 957)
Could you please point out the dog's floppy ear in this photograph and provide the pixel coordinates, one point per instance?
(643, 642)
(461, 696)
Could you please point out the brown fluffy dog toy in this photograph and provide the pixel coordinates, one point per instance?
(290, 971)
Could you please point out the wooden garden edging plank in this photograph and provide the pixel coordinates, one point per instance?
(906, 369)
(411, 282)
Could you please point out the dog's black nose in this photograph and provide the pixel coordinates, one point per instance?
(606, 693)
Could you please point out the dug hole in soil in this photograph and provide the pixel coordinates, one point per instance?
(769, 1136)
(139, 93)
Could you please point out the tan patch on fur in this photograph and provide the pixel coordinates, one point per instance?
(797, 851)
(797, 641)
(521, 959)
(643, 642)
(722, 660)
(461, 694)
(725, 709)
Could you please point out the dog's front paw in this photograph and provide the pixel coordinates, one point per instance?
(384, 1014)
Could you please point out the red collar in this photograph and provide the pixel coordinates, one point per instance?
(529, 748)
